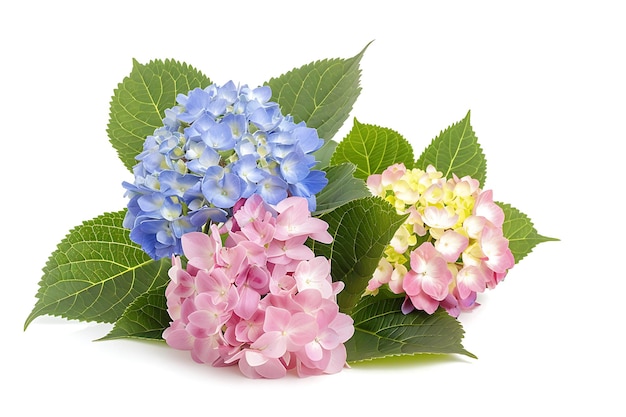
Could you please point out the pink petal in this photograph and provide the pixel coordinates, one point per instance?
(276, 319)
(206, 350)
(374, 184)
(470, 278)
(328, 339)
(178, 338)
(272, 369)
(412, 284)
(255, 358)
(496, 249)
(486, 208)
(314, 351)
(337, 360)
(272, 344)
(199, 248)
(451, 244)
(435, 287)
(424, 302)
(248, 302)
(302, 329)
(393, 174)
(439, 217)
(343, 325)
(206, 322)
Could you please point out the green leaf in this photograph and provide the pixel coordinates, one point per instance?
(324, 154)
(456, 150)
(382, 330)
(520, 231)
(361, 230)
(342, 187)
(321, 93)
(96, 272)
(372, 149)
(145, 318)
(139, 102)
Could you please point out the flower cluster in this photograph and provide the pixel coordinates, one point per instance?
(218, 145)
(451, 246)
(254, 294)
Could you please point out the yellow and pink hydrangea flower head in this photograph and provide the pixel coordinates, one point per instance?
(451, 246)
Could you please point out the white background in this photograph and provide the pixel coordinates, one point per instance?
(545, 83)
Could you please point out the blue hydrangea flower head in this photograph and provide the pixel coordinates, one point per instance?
(217, 146)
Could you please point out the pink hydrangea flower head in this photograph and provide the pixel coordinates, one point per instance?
(261, 300)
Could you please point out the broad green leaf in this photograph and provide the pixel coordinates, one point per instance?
(381, 330)
(96, 272)
(361, 230)
(139, 102)
(342, 187)
(321, 93)
(324, 154)
(520, 231)
(456, 151)
(372, 149)
(145, 318)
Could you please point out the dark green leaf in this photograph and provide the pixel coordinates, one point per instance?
(145, 318)
(96, 272)
(520, 231)
(321, 93)
(381, 330)
(361, 230)
(139, 102)
(342, 187)
(324, 154)
(456, 151)
(372, 149)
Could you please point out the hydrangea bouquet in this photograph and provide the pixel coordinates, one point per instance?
(252, 238)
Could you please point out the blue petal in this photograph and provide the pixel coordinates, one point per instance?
(236, 123)
(151, 203)
(272, 189)
(173, 183)
(222, 189)
(219, 137)
(264, 117)
(295, 166)
(171, 209)
(308, 139)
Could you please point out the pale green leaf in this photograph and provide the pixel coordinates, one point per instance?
(382, 330)
(520, 231)
(321, 93)
(96, 272)
(372, 149)
(145, 318)
(324, 154)
(456, 151)
(342, 187)
(361, 230)
(139, 102)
